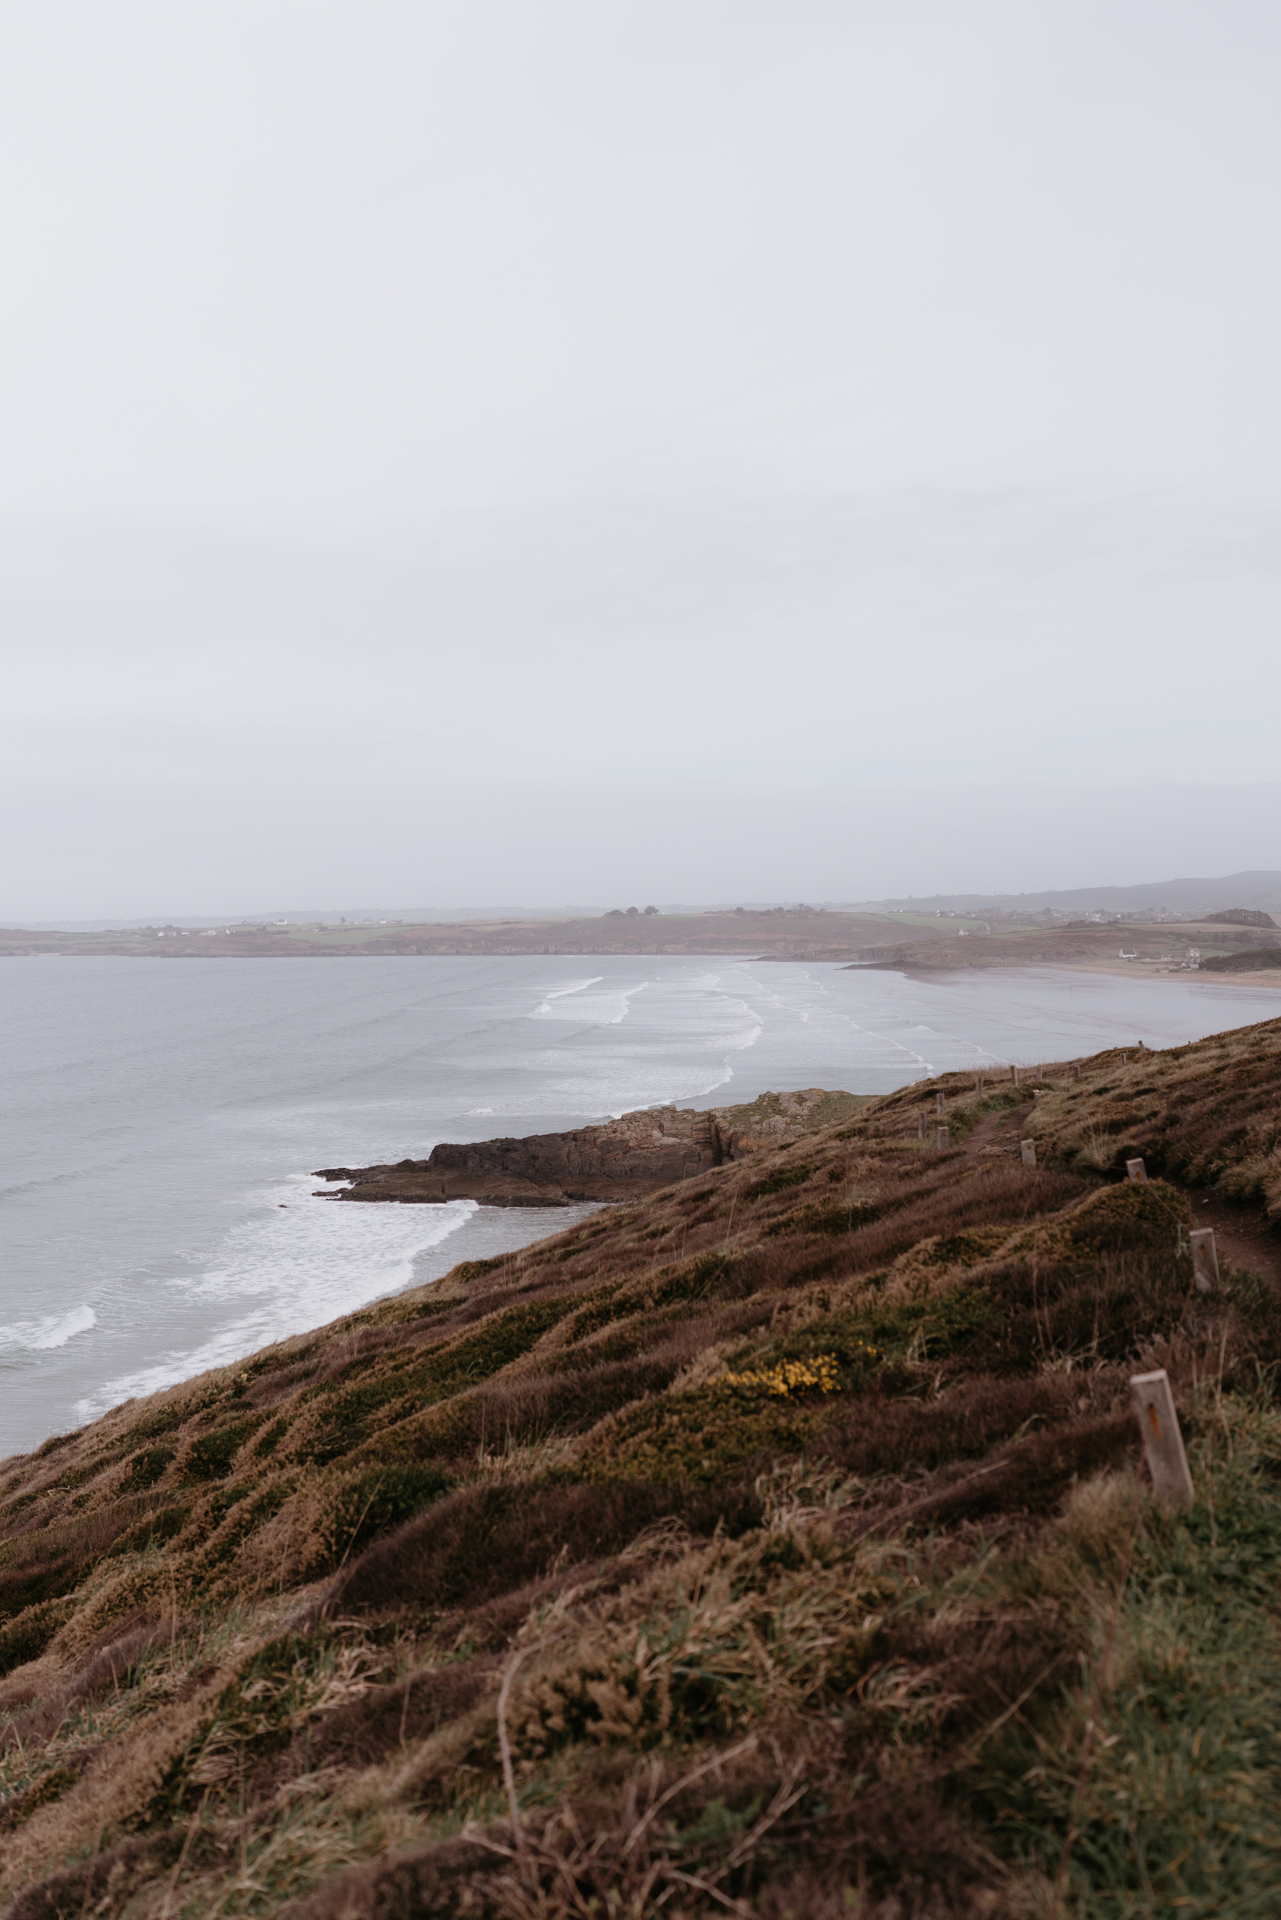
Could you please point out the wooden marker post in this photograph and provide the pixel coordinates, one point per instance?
(1135, 1170)
(1076, 1073)
(1162, 1441)
(1015, 1072)
(1028, 1150)
(1205, 1259)
(942, 1139)
(938, 1103)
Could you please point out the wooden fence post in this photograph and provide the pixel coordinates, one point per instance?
(1162, 1440)
(1076, 1073)
(1135, 1170)
(1015, 1072)
(1205, 1259)
(942, 1138)
(1028, 1150)
(938, 1103)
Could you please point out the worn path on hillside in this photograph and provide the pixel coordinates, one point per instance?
(1241, 1231)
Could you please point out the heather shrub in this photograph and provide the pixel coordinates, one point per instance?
(343, 1414)
(210, 1456)
(27, 1635)
(826, 1216)
(475, 1269)
(384, 1719)
(378, 1500)
(146, 1468)
(779, 1179)
(154, 1531)
(883, 1433)
(486, 1539)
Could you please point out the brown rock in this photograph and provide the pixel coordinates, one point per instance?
(620, 1160)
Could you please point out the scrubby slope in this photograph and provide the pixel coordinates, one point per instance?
(1207, 1115)
(776, 1541)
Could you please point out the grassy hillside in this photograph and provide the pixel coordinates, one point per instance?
(775, 1545)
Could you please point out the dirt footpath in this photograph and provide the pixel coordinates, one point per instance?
(1242, 1234)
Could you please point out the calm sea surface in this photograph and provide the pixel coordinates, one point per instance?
(160, 1120)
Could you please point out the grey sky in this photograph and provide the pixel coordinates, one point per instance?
(540, 451)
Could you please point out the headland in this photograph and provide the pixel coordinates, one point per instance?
(777, 1543)
(903, 940)
(623, 1159)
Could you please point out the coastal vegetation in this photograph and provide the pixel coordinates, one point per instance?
(777, 1544)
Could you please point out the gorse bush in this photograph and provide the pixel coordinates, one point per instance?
(794, 1377)
(777, 1542)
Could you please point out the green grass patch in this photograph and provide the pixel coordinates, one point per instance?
(1176, 1794)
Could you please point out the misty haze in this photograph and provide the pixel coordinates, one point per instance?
(640, 932)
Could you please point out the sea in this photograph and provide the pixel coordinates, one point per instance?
(161, 1121)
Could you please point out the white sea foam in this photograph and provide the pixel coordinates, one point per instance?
(301, 1262)
(53, 1330)
(545, 1009)
(638, 1043)
(585, 1008)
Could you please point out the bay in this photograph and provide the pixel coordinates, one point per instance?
(160, 1122)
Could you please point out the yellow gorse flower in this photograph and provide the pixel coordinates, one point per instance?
(818, 1375)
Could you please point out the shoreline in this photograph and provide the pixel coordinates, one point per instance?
(932, 943)
(1134, 970)
(1116, 969)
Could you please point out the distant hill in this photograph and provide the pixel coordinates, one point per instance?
(1261, 891)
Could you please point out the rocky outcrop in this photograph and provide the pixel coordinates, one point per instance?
(1240, 917)
(620, 1160)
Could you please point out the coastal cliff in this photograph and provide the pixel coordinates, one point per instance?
(637, 1154)
(777, 1544)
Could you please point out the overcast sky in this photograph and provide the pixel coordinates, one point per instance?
(494, 453)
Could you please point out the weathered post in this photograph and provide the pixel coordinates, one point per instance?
(1076, 1073)
(1015, 1072)
(1162, 1440)
(1135, 1170)
(938, 1103)
(920, 1126)
(1028, 1150)
(1205, 1259)
(942, 1138)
